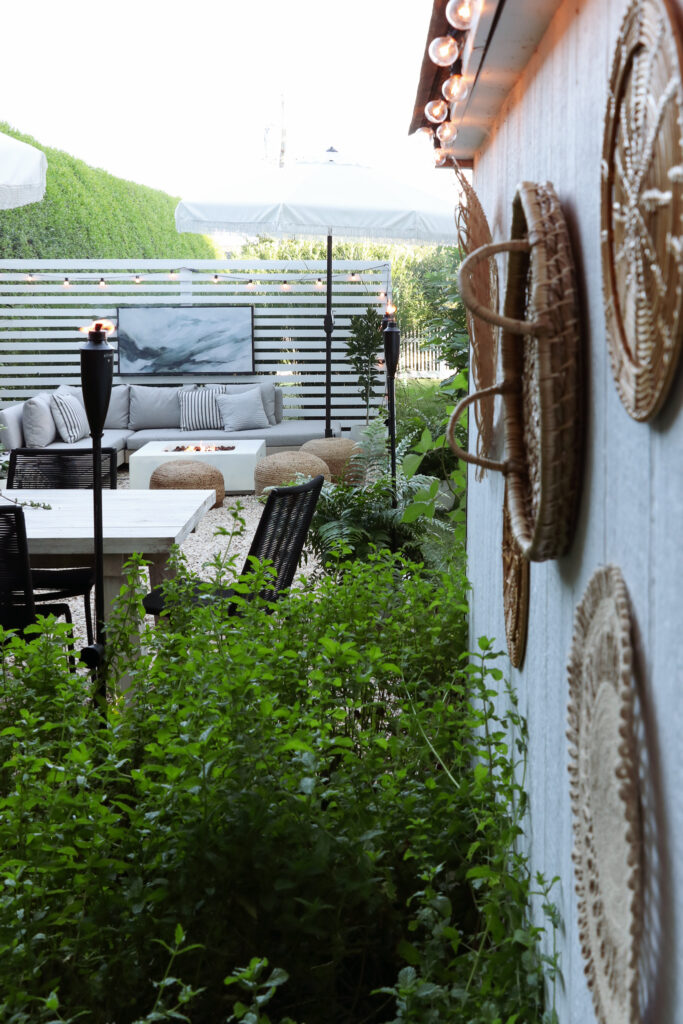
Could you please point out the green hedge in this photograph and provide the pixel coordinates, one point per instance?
(89, 214)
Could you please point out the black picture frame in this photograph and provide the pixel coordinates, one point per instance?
(173, 340)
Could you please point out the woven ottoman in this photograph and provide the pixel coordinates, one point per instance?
(181, 475)
(336, 452)
(282, 468)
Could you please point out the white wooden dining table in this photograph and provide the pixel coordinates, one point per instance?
(145, 522)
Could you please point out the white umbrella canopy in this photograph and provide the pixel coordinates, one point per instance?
(318, 199)
(23, 172)
(324, 199)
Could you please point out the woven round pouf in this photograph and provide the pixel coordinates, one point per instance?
(181, 475)
(282, 468)
(336, 452)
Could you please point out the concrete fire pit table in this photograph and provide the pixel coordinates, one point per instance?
(237, 465)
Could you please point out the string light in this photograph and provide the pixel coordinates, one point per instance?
(454, 89)
(443, 51)
(441, 157)
(286, 286)
(30, 279)
(354, 277)
(215, 278)
(137, 279)
(319, 283)
(66, 282)
(446, 132)
(436, 111)
(250, 284)
(173, 275)
(103, 283)
(459, 14)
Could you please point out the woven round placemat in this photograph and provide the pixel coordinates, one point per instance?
(515, 592)
(473, 232)
(604, 792)
(542, 374)
(641, 205)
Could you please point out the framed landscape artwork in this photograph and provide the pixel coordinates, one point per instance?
(185, 339)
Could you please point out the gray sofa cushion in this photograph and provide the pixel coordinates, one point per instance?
(39, 424)
(110, 439)
(152, 408)
(288, 434)
(12, 426)
(242, 411)
(119, 406)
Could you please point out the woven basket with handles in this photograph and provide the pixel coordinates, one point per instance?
(542, 374)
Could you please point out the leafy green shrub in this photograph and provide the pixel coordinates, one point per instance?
(362, 352)
(88, 213)
(277, 787)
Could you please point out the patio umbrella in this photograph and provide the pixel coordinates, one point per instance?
(324, 199)
(23, 170)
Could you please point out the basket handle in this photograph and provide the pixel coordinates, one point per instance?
(504, 388)
(485, 252)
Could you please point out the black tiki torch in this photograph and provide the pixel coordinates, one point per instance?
(392, 345)
(97, 370)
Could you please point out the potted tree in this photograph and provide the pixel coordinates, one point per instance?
(362, 352)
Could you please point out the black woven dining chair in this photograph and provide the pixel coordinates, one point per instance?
(61, 469)
(18, 608)
(280, 537)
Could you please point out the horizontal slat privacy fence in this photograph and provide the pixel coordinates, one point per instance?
(420, 360)
(44, 302)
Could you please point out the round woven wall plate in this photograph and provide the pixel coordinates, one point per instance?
(605, 797)
(642, 206)
(515, 592)
(542, 374)
(473, 232)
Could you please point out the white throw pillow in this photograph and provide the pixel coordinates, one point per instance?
(267, 395)
(198, 410)
(242, 411)
(70, 417)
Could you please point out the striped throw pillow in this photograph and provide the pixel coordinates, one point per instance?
(198, 410)
(69, 416)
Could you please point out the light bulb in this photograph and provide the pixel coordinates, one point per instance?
(436, 111)
(319, 283)
(172, 275)
(446, 132)
(443, 51)
(67, 282)
(137, 279)
(459, 14)
(30, 279)
(250, 284)
(215, 278)
(441, 157)
(454, 89)
(286, 286)
(382, 296)
(103, 283)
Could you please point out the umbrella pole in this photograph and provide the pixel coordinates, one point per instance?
(329, 327)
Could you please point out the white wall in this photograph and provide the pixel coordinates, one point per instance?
(631, 514)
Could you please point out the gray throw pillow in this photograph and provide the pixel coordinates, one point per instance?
(242, 411)
(118, 411)
(267, 395)
(152, 408)
(38, 422)
(69, 417)
(198, 410)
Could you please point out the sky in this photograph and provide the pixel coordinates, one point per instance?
(181, 96)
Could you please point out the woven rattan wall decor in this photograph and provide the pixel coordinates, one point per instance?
(605, 797)
(515, 592)
(542, 374)
(642, 207)
(473, 231)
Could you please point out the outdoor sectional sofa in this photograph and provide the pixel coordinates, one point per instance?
(140, 413)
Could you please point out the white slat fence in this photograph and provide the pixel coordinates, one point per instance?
(40, 317)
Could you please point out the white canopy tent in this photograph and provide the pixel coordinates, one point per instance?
(324, 199)
(23, 173)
